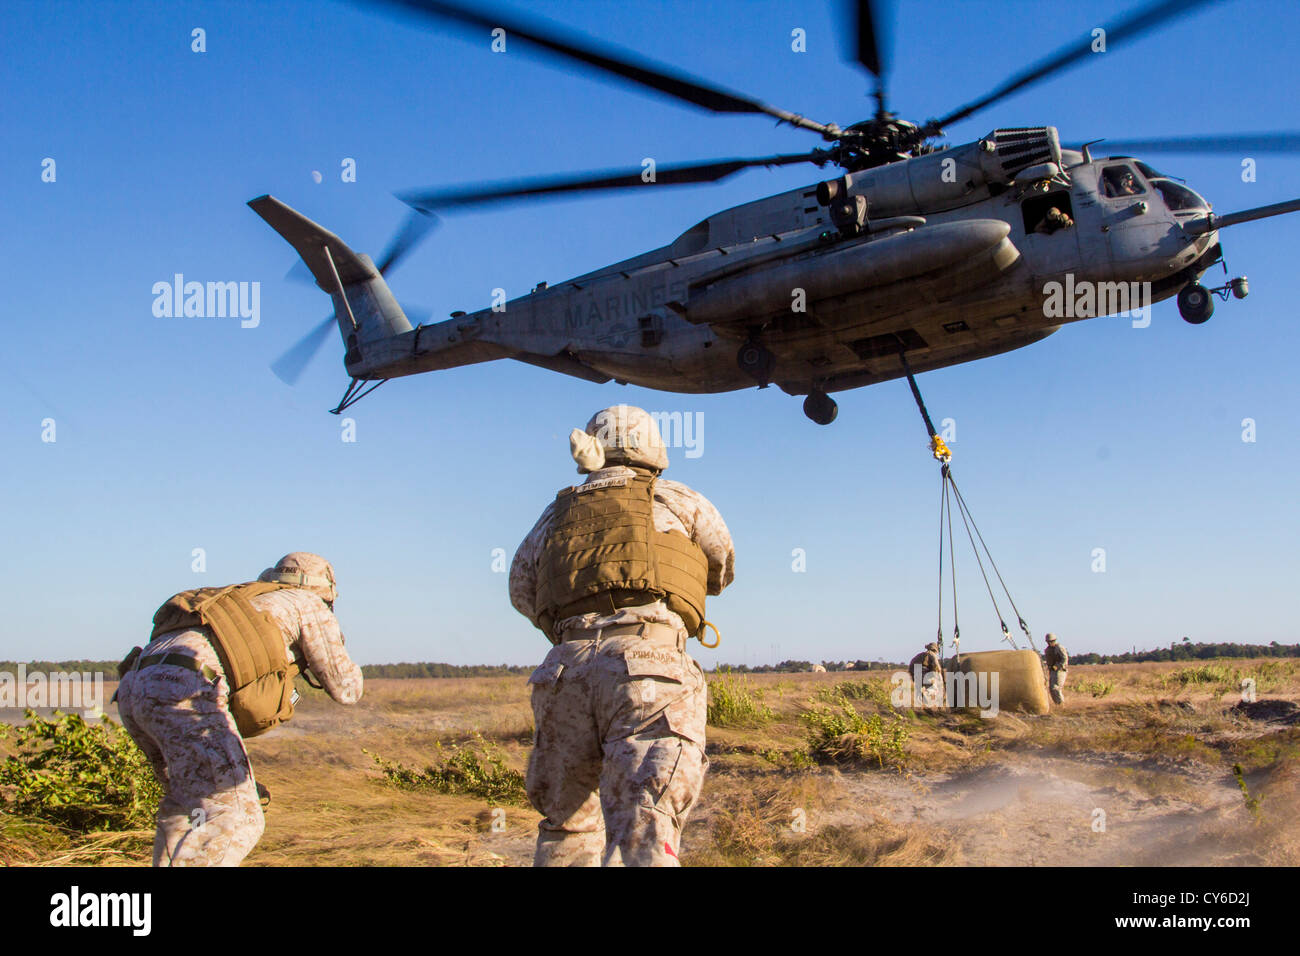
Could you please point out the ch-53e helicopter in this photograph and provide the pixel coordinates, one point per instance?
(917, 253)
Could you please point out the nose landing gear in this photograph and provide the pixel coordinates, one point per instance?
(820, 407)
(1196, 302)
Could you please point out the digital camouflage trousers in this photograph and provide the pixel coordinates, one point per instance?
(618, 758)
(210, 814)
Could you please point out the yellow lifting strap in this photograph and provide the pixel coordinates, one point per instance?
(717, 635)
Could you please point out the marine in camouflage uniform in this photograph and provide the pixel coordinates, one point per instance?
(618, 705)
(1058, 662)
(932, 685)
(210, 814)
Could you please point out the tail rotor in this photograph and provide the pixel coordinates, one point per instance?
(332, 266)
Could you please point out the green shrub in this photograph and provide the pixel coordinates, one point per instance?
(837, 732)
(876, 691)
(734, 703)
(477, 768)
(84, 777)
(1252, 802)
(793, 761)
(1270, 675)
(1217, 674)
(1097, 688)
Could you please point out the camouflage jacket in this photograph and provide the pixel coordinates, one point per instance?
(1056, 657)
(311, 636)
(676, 508)
(928, 661)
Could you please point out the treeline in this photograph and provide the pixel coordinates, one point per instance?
(1185, 651)
(427, 669)
(1176, 651)
(107, 668)
(420, 669)
(799, 667)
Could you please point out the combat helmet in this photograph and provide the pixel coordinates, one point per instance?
(619, 435)
(305, 570)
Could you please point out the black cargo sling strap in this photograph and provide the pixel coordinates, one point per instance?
(950, 496)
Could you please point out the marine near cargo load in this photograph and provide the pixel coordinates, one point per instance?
(940, 253)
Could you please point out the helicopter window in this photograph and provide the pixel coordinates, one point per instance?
(1147, 171)
(1119, 181)
(1180, 198)
(1047, 213)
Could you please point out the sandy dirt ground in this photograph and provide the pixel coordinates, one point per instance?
(1141, 773)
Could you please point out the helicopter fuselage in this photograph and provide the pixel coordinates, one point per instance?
(946, 285)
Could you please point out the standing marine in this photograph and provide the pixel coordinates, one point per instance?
(1058, 662)
(931, 675)
(219, 668)
(615, 574)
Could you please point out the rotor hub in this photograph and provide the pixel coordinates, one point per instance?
(881, 140)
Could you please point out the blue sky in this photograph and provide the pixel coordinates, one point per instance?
(172, 434)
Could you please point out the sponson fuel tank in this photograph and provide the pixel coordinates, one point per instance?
(847, 268)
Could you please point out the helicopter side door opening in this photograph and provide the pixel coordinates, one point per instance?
(1048, 213)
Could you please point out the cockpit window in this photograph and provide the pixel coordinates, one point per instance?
(1118, 181)
(1180, 198)
(1147, 171)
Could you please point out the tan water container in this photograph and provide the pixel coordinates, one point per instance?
(1021, 684)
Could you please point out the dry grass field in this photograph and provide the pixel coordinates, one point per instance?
(1162, 754)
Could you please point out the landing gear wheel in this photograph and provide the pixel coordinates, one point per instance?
(1195, 304)
(820, 407)
(756, 361)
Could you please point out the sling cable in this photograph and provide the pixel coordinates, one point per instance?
(950, 495)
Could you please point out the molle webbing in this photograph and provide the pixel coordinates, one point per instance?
(249, 643)
(602, 553)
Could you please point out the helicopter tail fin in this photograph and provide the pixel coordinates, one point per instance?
(363, 305)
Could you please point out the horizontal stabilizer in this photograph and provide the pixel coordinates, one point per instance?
(310, 241)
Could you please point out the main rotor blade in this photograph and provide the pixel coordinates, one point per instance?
(662, 79)
(418, 225)
(1138, 23)
(868, 40)
(1243, 143)
(289, 366)
(589, 182)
